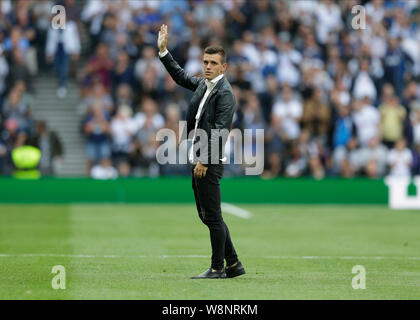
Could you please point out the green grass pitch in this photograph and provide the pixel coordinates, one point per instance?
(150, 251)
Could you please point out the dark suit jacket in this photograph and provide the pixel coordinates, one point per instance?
(56, 148)
(217, 112)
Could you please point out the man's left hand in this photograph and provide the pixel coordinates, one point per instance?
(200, 170)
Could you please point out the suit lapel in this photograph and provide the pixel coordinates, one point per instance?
(212, 93)
(201, 89)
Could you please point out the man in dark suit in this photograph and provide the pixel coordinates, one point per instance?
(211, 110)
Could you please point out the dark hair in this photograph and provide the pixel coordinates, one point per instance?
(216, 50)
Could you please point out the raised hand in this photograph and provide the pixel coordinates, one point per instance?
(163, 38)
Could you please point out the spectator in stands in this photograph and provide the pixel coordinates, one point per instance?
(98, 94)
(363, 85)
(316, 115)
(92, 15)
(239, 78)
(73, 12)
(147, 121)
(376, 10)
(329, 20)
(172, 118)
(19, 71)
(194, 64)
(296, 163)
(400, 159)
(344, 127)
(150, 83)
(345, 160)
(16, 108)
(41, 14)
(268, 96)
(236, 57)
(26, 25)
(416, 160)
(16, 40)
(372, 159)
(275, 139)
(392, 117)
(4, 71)
(415, 122)
(97, 129)
(62, 46)
(3, 158)
(175, 12)
(411, 94)
(367, 120)
(251, 113)
(311, 150)
(124, 96)
(288, 63)
(210, 12)
(310, 48)
(99, 67)
(3, 147)
(288, 112)
(109, 33)
(5, 11)
(339, 95)
(252, 120)
(148, 62)
(395, 64)
(48, 142)
(123, 72)
(263, 15)
(11, 137)
(104, 170)
(122, 131)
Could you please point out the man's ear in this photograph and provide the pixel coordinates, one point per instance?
(224, 67)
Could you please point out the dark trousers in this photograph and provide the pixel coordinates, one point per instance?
(62, 65)
(207, 200)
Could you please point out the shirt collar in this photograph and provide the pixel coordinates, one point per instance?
(213, 81)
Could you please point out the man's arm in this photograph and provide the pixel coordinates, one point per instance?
(177, 73)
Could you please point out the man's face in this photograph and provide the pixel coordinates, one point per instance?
(212, 65)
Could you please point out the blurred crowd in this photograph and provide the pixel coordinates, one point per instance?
(24, 26)
(337, 95)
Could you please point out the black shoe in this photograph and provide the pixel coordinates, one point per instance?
(235, 271)
(209, 274)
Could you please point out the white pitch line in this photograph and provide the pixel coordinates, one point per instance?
(195, 256)
(236, 211)
(343, 257)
